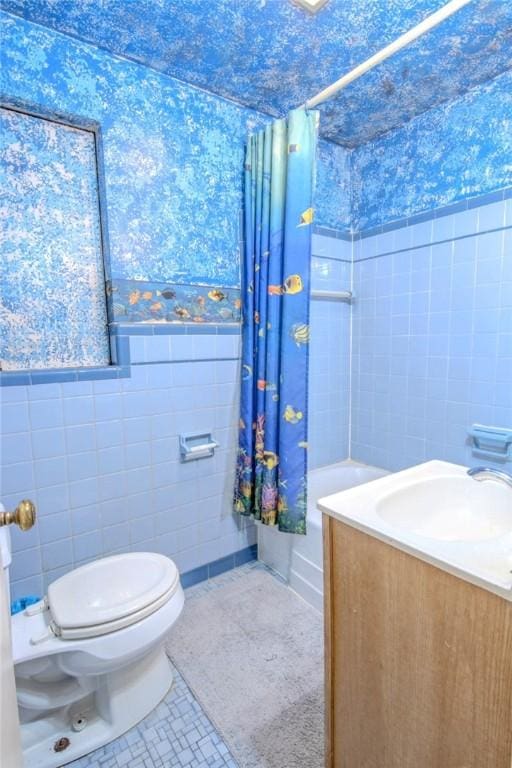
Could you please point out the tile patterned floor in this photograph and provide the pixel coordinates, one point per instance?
(178, 733)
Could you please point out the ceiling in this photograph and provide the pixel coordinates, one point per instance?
(271, 55)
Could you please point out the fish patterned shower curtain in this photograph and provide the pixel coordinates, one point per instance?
(272, 453)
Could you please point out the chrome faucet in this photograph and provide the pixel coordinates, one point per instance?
(488, 473)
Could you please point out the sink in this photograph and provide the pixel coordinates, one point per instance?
(436, 512)
(450, 509)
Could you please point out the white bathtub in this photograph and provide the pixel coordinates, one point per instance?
(299, 559)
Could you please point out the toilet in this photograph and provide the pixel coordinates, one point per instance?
(89, 658)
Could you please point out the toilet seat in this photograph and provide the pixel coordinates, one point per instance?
(107, 667)
(87, 655)
(109, 594)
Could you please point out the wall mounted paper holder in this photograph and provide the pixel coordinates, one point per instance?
(198, 445)
(494, 442)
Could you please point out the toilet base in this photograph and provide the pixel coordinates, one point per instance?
(120, 700)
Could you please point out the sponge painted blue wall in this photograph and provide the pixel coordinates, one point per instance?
(460, 150)
(276, 55)
(100, 458)
(332, 195)
(173, 155)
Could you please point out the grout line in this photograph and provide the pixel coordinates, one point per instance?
(450, 209)
(187, 360)
(436, 242)
(350, 352)
(332, 258)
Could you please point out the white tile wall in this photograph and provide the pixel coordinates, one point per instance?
(432, 342)
(329, 371)
(101, 461)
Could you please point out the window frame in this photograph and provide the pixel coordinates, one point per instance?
(118, 352)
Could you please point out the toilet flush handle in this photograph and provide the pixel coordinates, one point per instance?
(24, 515)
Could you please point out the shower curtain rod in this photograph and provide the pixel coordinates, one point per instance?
(420, 29)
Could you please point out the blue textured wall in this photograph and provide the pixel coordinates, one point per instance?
(272, 55)
(459, 150)
(333, 186)
(173, 155)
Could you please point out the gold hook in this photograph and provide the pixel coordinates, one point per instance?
(24, 515)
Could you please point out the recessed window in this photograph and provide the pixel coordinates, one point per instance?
(53, 311)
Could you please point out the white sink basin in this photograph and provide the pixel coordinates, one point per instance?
(438, 513)
(450, 509)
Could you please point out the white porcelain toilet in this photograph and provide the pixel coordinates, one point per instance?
(89, 659)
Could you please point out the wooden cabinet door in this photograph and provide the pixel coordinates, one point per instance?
(419, 662)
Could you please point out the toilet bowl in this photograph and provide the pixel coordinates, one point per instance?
(89, 659)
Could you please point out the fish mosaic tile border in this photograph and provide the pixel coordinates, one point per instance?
(141, 301)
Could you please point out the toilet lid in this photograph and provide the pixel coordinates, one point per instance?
(111, 589)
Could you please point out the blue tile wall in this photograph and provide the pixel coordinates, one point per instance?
(432, 337)
(100, 459)
(329, 370)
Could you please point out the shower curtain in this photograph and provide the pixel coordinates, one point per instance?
(272, 453)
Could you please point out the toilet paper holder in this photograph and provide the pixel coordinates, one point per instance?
(197, 446)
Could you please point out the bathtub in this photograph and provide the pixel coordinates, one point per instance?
(299, 559)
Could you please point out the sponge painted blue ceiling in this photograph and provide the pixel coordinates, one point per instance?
(271, 56)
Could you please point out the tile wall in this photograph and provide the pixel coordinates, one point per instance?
(431, 346)
(329, 370)
(432, 336)
(101, 460)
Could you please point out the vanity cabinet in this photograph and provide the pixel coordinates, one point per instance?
(418, 661)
